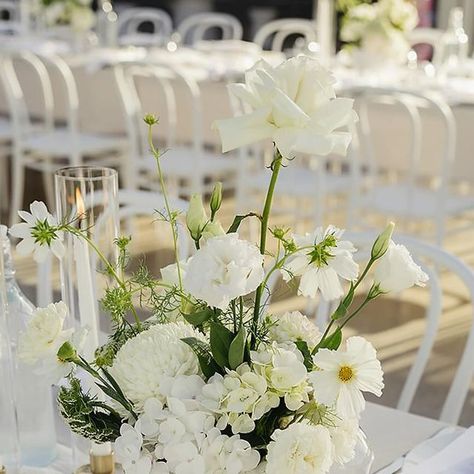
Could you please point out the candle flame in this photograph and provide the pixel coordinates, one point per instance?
(81, 208)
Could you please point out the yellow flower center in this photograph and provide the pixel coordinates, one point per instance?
(345, 373)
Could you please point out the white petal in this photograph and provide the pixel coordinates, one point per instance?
(39, 210)
(21, 231)
(310, 282)
(57, 247)
(26, 246)
(244, 130)
(27, 217)
(41, 252)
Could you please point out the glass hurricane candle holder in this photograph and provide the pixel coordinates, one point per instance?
(86, 199)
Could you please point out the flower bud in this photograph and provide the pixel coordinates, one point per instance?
(216, 199)
(196, 218)
(67, 352)
(150, 119)
(212, 229)
(382, 242)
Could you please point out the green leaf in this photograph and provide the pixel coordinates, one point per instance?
(332, 342)
(199, 317)
(237, 348)
(304, 349)
(344, 305)
(220, 338)
(238, 220)
(203, 353)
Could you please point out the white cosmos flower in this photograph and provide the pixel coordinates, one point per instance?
(294, 105)
(396, 270)
(144, 362)
(343, 375)
(223, 269)
(39, 233)
(291, 327)
(403, 14)
(324, 260)
(302, 448)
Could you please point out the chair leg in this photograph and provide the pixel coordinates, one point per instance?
(3, 183)
(18, 186)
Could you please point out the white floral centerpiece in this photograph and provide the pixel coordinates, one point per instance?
(213, 382)
(77, 14)
(375, 33)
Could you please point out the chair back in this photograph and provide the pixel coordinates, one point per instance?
(195, 27)
(274, 34)
(427, 36)
(8, 9)
(132, 20)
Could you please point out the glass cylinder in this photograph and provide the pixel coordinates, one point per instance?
(9, 434)
(86, 198)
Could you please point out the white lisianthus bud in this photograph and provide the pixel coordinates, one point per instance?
(382, 242)
(396, 270)
(196, 218)
(216, 199)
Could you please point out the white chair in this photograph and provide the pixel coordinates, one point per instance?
(433, 260)
(273, 35)
(195, 27)
(411, 192)
(132, 204)
(43, 146)
(427, 36)
(132, 20)
(188, 165)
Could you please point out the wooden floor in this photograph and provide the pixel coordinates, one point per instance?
(394, 325)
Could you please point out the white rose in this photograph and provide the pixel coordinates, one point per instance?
(396, 270)
(224, 269)
(300, 448)
(294, 105)
(44, 334)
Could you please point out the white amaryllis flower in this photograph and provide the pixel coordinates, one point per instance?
(324, 259)
(300, 448)
(291, 327)
(223, 269)
(396, 270)
(294, 105)
(39, 233)
(144, 362)
(343, 375)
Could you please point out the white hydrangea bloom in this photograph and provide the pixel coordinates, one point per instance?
(300, 448)
(238, 398)
(396, 270)
(343, 375)
(325, 259)
(144, 362)
(291, 327)
(224, 269)
(224, 454)
(285, 373)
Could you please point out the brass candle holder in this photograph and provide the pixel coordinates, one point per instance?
(99, 464)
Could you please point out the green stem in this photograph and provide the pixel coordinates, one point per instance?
(263, 238)
(156, 154)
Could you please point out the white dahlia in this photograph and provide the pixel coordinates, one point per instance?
(291, 327)
(143, 363)
(300, 448)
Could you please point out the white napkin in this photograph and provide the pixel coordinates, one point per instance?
(456, 458)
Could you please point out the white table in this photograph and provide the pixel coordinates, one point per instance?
(391, 433)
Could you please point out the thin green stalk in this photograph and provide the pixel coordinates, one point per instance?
(156, 154)
(263, 238)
